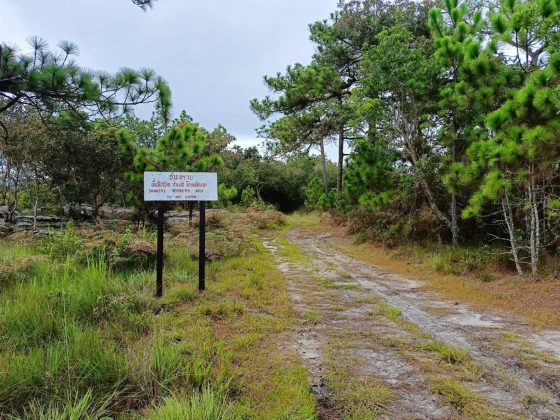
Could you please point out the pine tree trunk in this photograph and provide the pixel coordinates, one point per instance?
(324, 168)
(427, 190)
(340, 159)
(534, 235)
(454, 221)
(535, 229)
(508, 218)
(454, 216)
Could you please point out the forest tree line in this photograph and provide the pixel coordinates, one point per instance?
(449, 111)
(71, 143)
(445, 116)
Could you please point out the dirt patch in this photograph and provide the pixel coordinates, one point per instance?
(347, 337)
(401, 334)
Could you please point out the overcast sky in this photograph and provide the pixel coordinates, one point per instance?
(213, 53)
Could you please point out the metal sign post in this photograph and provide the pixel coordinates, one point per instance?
(159, 263)
(202, 248)
(181, 186)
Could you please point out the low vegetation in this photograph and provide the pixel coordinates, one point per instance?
(446, 118)
(84, 337)
(466, 401)
(361, 398)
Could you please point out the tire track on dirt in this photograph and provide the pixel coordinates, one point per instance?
(509, 385)
(528, 388)
(343, 338)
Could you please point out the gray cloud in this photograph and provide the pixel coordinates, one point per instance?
(213, 53)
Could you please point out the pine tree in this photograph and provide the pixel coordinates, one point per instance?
(312, 107)
(182, 148)
(144, 4)
(474, 84)
(519, 158)
(51, 82)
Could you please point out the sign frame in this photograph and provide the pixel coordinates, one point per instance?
(163, 187)
(180, 186)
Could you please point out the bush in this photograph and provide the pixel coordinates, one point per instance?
(464, 261)
(18, 269)
(60, 247)
(225, 196)
(313, 193)
(228, 235)
(265, 219)
(248, 197)
(388, 227)
(124, 252)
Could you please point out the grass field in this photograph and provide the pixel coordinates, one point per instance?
(81, 336)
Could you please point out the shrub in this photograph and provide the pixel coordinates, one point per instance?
(265, 219)
(226, 195)
(125, 252)
(60, 247)
(248, 197)
(385, 225)
(228, 235)
(464, 260)
(18, 269)
(313, 193)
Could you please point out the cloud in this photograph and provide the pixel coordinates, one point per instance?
(213, 53)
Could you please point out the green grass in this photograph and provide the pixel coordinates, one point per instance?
(394, 314)
(291, 251)
(70, 408)
(535, 397)
(360, 398)
(313, 317)
(82, 363)
(447, 353)
(466, 401)
(207, 405)
(78, 340)
(516, 346)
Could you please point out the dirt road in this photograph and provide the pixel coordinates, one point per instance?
(378, 345)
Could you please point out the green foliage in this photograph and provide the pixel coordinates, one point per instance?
(62, 245)
(248, 197)
(47, 375)
(208, 405)
(51, 81)
(281, 184)
(226, 195)
(313, 193)
(182, 148)
(372, 177)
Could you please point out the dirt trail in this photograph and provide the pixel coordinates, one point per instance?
(374, 325)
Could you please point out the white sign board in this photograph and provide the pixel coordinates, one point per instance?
(180, 186)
